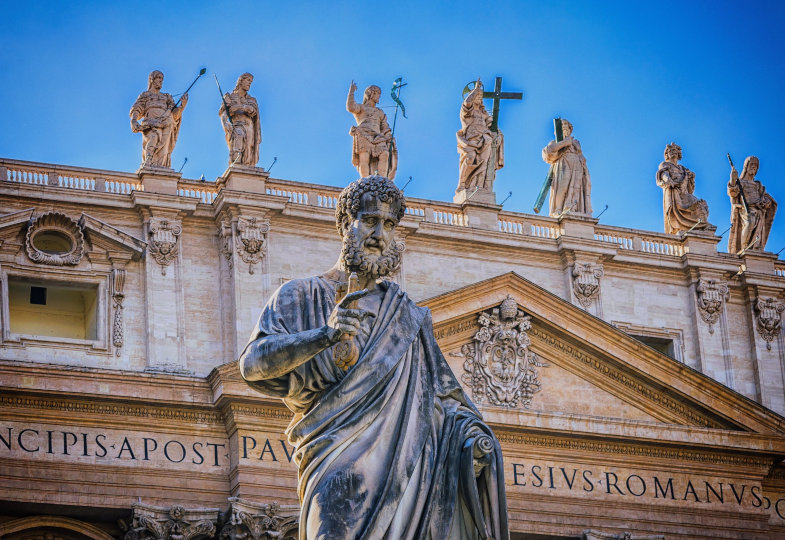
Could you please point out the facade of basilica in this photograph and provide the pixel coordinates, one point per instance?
(635, 380)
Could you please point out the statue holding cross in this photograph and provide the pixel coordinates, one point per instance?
(480, 142)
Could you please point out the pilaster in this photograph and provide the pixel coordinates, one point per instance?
(709, 293)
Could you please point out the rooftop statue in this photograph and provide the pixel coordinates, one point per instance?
(373, 146)
(239, 114)
(682, 210)
(752, 212)
(571, 184)
(387, 443)
(157, 117)
(479, 162)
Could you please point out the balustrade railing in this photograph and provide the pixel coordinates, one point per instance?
(63, 176)
(206, 192)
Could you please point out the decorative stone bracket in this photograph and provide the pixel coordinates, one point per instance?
(768, 317)
(175, 523)
(712, 295)
(252, 521)
(586, 282)
(251, 240)
(164, 234)
(499, 366)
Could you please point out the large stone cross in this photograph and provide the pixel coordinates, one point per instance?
(498, 95)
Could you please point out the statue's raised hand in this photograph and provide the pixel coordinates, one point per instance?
(353, 87)
(347, 320)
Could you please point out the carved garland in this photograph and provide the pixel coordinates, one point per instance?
(118, 284)
(499, 366)
(769, 318)
(62, 229)
(250, 240)
(586, 282)
(163, 240)
(712, 295)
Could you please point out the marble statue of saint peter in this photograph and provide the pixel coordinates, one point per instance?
(388, 446)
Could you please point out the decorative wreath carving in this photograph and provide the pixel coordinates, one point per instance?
(62, 226)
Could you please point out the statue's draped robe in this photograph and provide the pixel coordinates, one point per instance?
(745, 228)
(571, 184)
(475, 145)
(681, 209)
(160, 138)
(246, 135)
(384, 450)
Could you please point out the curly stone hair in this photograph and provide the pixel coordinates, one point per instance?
(349, 200)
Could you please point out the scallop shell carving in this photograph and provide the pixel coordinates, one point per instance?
(64, 226)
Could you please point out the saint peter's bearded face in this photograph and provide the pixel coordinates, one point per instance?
(369, 246)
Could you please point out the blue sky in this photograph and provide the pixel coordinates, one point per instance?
(631, 76)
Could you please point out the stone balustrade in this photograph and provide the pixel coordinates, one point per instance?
(301, 193)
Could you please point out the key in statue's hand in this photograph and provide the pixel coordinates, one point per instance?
(347, 320)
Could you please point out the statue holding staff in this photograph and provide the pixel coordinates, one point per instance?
(239, 114)
(570, 189)
(752, 209)
(373, 146)
(157, 117)
(386, 442)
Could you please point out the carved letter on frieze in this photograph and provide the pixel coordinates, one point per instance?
(175, 523)
(769, 318)
(118, 284)
(586, 282)
(712, 295)
(250, 240)
(55, 239)
(499, 365)
(253, 521)
(163, 240)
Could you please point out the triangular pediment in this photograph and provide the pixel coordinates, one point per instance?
(111, 240)
(592, 372)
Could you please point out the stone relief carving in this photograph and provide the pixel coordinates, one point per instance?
(175, 523)
(250, 240)
(712, 295)
(226, 241)
(250, 521)
(54, 239)
(586, 282)
(118, 284)
(499, 366)
(163, 240)
(769, 318)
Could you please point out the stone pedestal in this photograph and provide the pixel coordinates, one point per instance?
(759, 262)
(578, 226)
(242, 178)
(482, 196)
(701, 242)
(159, 180)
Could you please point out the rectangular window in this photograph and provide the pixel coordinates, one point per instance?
(53, 309)
(663, 345)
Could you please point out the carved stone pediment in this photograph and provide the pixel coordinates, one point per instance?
(254, 521)
(768, 313)
(499, 366)
(174, 523)
(712, 295)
